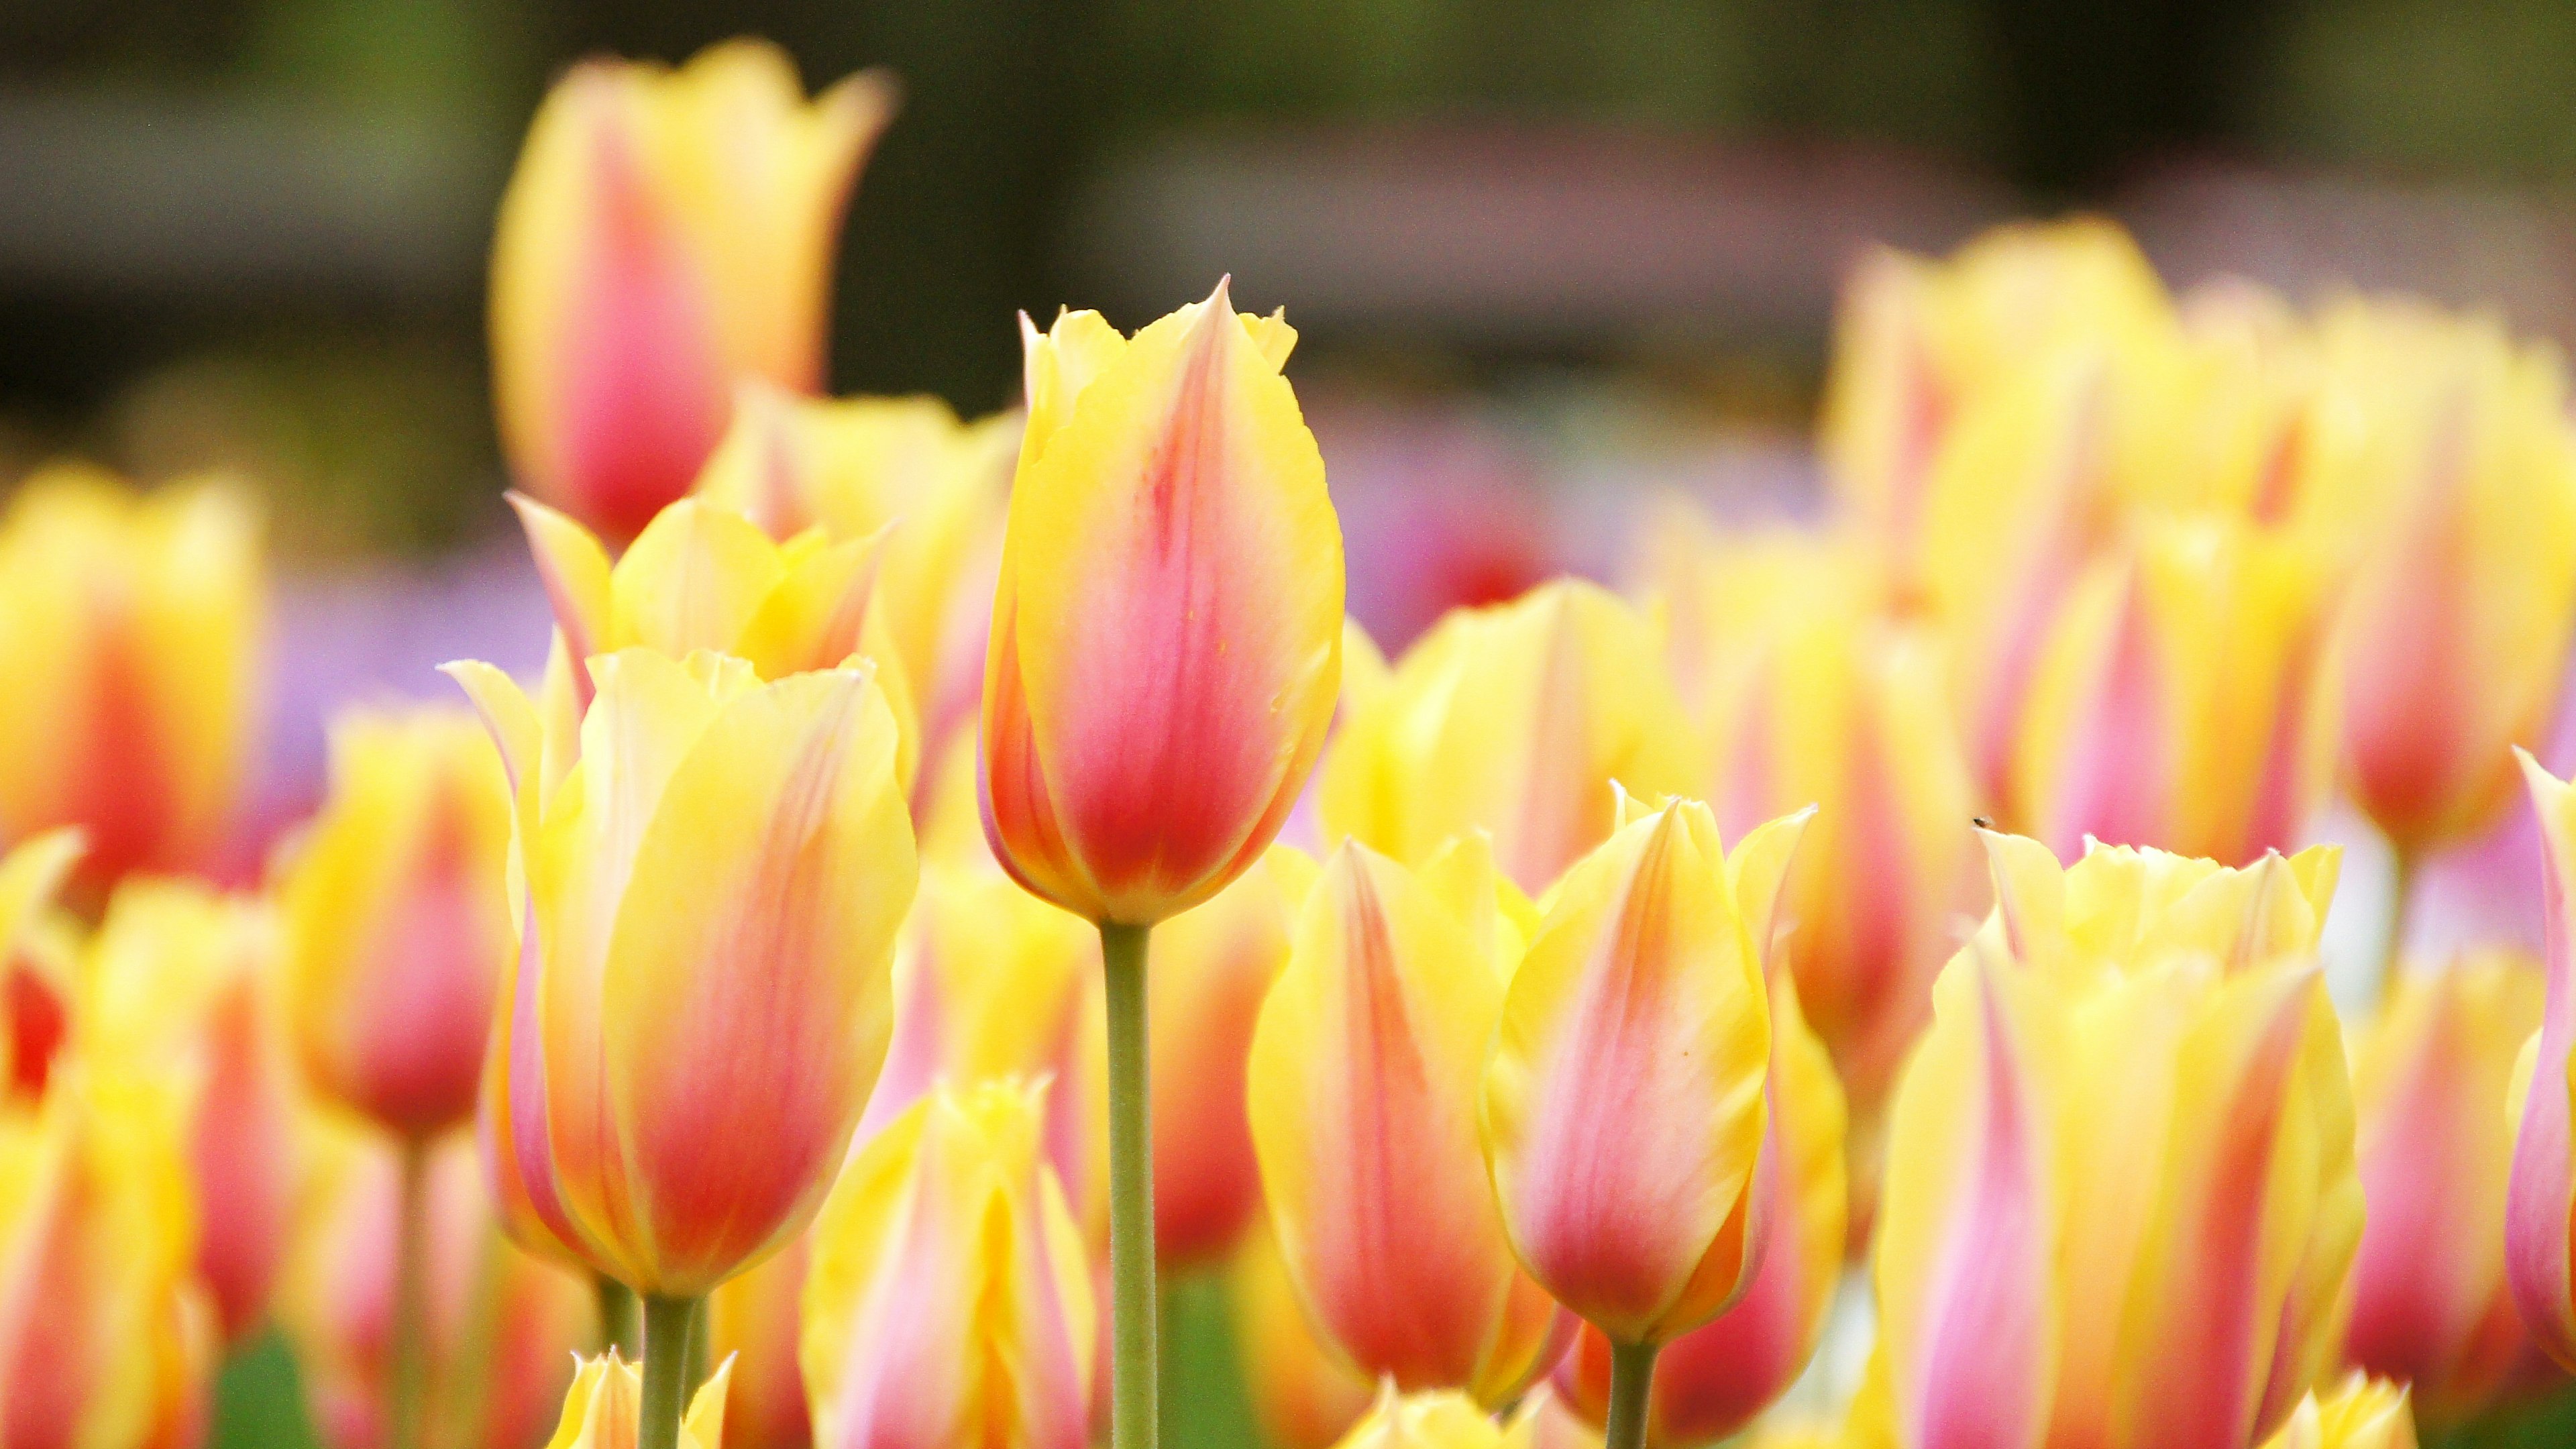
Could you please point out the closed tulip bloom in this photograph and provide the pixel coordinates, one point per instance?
(1166, 640)
(707, 897)
(1623, 1101)
(1363, 1083)
(396, 919)
(1710, 1382)
(1303, 1394)
(2451, 446)
(2540, 1201)
(2176, 702)
(601, 1409)
(753, 1322)
(106, 1338)
(2358, 1413)
(666, 234)
(129, 624)
(2121, 1203)
(2430, 1307)
(1513, 720)
(1434, 1420)
(501, 1324)
(949, 1301)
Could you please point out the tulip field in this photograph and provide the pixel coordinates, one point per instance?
(965, 943)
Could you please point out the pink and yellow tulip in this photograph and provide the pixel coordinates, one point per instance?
(602, 1408)
(667, 234)
(707, 896)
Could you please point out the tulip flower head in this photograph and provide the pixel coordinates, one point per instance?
(707, 895)
(607, 1398)
(666, 234)
(1166, 641)
(949, 1299)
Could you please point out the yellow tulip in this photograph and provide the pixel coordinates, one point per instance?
(2121, 1203)
(1514, 720)
(1623, 1110)
(666, 234)
(1303, 1395)
(106, 1338)
(949, 1300)
(2359, 1413)
(1436, 1420)
(129, 625)
(707, 894)
(1363, 1084)
(2540, 1193)
(606, 1399)
(2430, 1307)
(1166, 641)
(396, 919)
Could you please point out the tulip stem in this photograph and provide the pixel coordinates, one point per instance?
(616, 1314)
(666, 1370)
(1632, 1375)
(1131, 1192)
(408, 1383)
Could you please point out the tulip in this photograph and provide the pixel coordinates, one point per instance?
(396, 920)
(500, 1323)
(2359, 1413)
(106, 1338)
(949, 1299)
(34, 1000)
(708, 895)
(2121, 1203)
(753, 1322)
(610, 1400)
(1514, 720)
(2540, 1194)
(181, 981)
(2429, 1302)
(1362, 1084)
(1436, 1420)
(666, 234)
(1304, 1396)
(128, 624)
(2174, 704)
(1711, 1381)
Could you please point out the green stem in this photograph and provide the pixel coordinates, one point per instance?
(408, 1384)
(1632, 1375)
(666, 1369)
(617, 1324)
(1131, 1191)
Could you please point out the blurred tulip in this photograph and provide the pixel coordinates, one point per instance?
(1514, 720)
(2540, 1194)
(35, 1005)
(396, 920)
(1167, 636)
(708, 895)
(128, 628)
(182, 983)
(1362, 1084)
(2121, 1202)
(1623, 1110)
(500, 1323)
(2448, 449)
(2430, 1307)
(949, 1300)
(1543, 1421)
(1711, 1381)
(2359, 1413)
(1434, 1420)
(603, 1405)
(2175, 704)
(666, 234)
(1302, 1394)
(753, 1322)
(106, 1338)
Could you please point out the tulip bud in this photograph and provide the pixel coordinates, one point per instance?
(1514, 720)
(1166, 639)
(499, 1323)
(2174, 704)
(2451, 448)
(1623, 1105)
(2540, 1200)
(1711, 1381)
(1437, 1420)
(2429, 1302)
(666, 234)
(106, 1338)
(949, 1300)
(128, 624)
(2121, 1204)
(708, 895)
(753, 1322)
(601, 1409)
(2359, 1413)
(396, 919)
(182, 983)
(1362, 1085)
(1303, 1395)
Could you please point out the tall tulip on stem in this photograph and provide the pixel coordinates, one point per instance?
(1165, 656)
